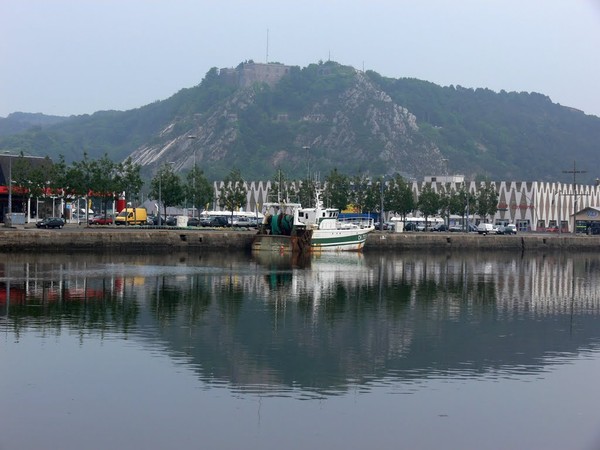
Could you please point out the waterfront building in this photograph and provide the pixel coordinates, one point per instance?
(531, 206)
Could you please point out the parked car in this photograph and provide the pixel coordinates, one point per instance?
(241, 221)
(414, 226)
(439, 227)
(171, 221)
(101, 220)
(50, 222)
(219, 222)
(507, 229)
(594, 228)
(205, 221)
(193, 222)
(387, 226)
(486, 228)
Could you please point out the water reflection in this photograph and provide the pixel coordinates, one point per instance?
(317, 326)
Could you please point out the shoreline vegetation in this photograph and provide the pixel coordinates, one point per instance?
(130, 239)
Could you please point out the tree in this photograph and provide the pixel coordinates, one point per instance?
(460, 204)
(232, 195)
(400, 199)
(104, 180)
(166, 188)
(30, 180)
(337, 192)
(359, 191)
(79, 179)
(306, 193)
(487, 201)
(446, 196)
(197, 188)
(429, 202)
(372, 199)
(280, 189)
(128, 179)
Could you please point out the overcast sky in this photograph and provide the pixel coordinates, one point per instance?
(68, 57)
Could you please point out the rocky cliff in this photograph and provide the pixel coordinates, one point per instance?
(358, 128)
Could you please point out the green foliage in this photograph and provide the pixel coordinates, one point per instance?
(307, 192)
(373, 195)
(166, 187)
(399, 197)
(487, 201)
(197, 188)
(281, 189)
(360, 195)
(232, 195)
(337, 191)
(505, 135)
(429, 202)
(29, 178)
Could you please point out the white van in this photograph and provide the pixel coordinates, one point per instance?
(486, 228)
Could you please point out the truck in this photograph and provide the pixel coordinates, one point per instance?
(132, 216)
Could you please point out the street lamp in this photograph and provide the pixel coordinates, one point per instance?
(10, 157)
(160, 175)
(192, 137)
(381, 214)
(307, 148)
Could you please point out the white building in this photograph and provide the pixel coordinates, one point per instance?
(532, 206)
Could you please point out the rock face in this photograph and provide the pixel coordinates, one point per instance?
(356, 128)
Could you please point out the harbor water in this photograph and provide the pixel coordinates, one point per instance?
(219, 350)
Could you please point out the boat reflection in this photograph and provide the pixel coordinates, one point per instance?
(322, 325)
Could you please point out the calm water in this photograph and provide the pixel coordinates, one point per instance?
(410, 351)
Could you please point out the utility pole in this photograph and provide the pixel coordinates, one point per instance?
(574, 194)
(194, 172)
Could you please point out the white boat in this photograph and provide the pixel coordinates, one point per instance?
(317, 229)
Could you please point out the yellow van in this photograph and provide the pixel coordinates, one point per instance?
(132, 216)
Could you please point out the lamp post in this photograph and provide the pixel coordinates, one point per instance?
(445, 163)
(307, 148)
(574, 171)
(159, 198)
(192, 137)
(381, 215)
(559, 212)
(160, 175)
(10, 157)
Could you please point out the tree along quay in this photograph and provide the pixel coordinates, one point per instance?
(180, 239)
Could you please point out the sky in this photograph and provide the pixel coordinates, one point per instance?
(71, 57)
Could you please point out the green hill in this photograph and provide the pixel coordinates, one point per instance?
(259, 117)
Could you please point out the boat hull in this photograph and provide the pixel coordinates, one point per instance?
(338, 241)
(278, 244)
(321, 241)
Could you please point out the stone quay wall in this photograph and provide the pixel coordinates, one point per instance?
(161, 240)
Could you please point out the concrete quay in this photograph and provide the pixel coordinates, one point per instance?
(121, 239)
(521, 242)
(129, 239)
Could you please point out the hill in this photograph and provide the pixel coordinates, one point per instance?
(260, 117)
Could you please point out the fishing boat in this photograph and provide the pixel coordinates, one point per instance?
(288, 227)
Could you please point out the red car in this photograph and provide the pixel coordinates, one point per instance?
(101, 220)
